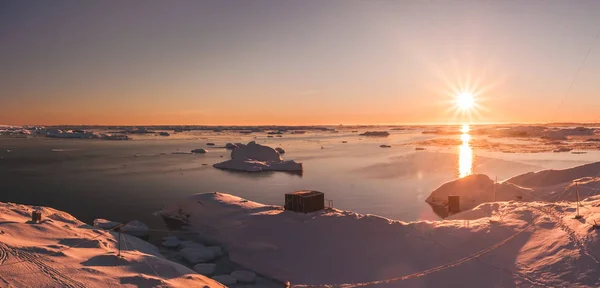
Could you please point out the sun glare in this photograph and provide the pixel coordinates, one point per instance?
(465, 101)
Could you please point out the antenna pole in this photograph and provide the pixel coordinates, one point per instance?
(577, 190)
(119, 229)
(495, 182)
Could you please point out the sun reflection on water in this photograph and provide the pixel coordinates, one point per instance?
(465, 156)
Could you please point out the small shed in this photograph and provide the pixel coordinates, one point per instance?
(305, 201)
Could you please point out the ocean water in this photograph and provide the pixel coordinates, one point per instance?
(127, 180)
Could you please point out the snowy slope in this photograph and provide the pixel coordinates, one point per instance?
(504, 244)
(61, 251)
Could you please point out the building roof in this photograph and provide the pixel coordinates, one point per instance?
(305, 193)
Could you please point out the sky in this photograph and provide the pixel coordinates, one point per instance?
(282, 62)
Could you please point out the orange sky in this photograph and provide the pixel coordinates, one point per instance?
(298, 63)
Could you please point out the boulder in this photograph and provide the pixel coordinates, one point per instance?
(201, 151)
(244, 276)
(280, 150)
(216, 249)
(171, 243)
(191, 244)
(225, 279)
(205, 268)
(136, 228)
(197, 255)
(231, 146)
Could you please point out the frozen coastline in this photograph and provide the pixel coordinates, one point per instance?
(540, 243)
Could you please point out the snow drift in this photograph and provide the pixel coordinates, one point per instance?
(62, 251)
(254, 157)
(523, 244)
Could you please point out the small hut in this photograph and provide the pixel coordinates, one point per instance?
(305, 201)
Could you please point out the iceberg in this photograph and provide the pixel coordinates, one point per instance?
(375, 134)
(254, 157)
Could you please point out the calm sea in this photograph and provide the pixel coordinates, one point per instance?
(126, 180)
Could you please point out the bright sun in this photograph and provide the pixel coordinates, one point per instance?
(465, 101)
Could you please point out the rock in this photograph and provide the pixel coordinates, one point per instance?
(244, 276)
(171, 243)
(376, 133)
(201, 151)
(136, 228)
(385, 146)
(419, 149)
(216, 249)
(205, 268)
(562, 149)
(210, 144)
(197, 254)
(225, 279)
(164, 134)
(191, 244)
(231, 146)
(170, 237)
(280, 150)
(344, 142)
(105, 224)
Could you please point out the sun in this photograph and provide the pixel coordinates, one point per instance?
(465, 101)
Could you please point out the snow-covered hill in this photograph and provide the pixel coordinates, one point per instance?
(503, 244)
(62, 251)
(546, 185)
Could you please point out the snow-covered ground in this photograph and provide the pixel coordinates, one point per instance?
(503, 244)
(62, 251)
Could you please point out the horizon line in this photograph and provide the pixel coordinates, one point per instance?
(310, 125)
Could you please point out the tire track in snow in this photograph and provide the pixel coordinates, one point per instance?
(3, 257)
(3, 254)
(62, 279)
(558, 219)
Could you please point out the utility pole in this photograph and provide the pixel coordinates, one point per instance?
(577, 190)
(118, 228)
(495, 182)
